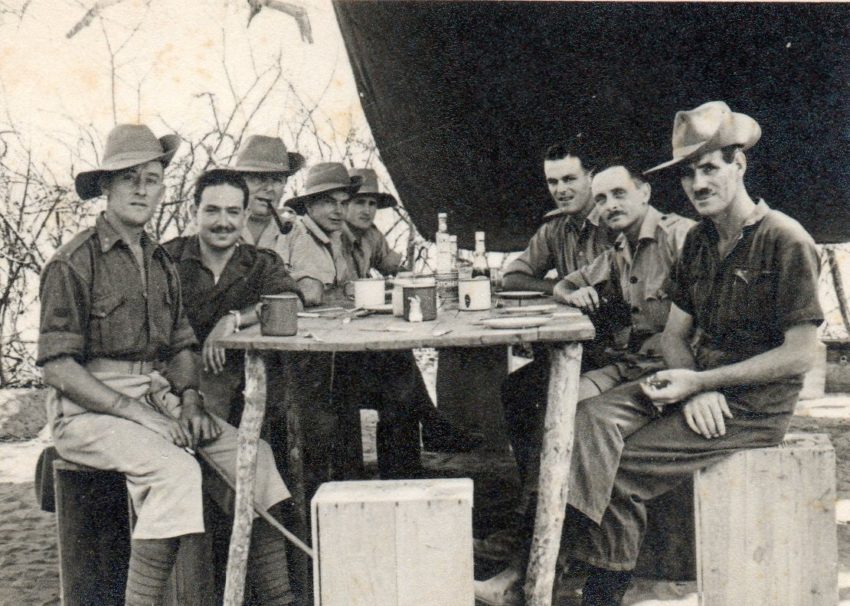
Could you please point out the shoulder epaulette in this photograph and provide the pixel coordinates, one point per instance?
(71, 246)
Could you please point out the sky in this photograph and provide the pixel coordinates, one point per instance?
(50, 83)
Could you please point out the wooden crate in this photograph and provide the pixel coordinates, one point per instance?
(765, 526)
(393, 543)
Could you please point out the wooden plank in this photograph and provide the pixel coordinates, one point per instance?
(434, 552)
(556, 450)
(766, 526)
(381, 332)
(394, 543)
(356, 563)
(246, 462)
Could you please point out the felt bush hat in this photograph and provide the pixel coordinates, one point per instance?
(369, 187)
(127, 145)
(709, 127)
(262, 154)
(322, 179)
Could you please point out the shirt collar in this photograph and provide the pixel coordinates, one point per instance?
(314, 229)
(593, 217)
(758, 213)
(109, 236)
(192, 251)
(354, 236)
(754, 219)
(647, 228)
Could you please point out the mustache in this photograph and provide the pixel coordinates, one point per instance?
(702, 192)
(223, 230)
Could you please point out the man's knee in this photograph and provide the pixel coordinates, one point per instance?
(179, 470)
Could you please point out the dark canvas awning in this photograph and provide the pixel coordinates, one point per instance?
(463, 98)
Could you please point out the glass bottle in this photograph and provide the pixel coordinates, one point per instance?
(479, 257)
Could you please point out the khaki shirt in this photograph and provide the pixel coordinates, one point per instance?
(642, 274)
(562, 244)
(95, 303)
(270, 237)
(369, 250)
(311, 253)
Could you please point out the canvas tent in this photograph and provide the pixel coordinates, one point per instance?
(463, 97)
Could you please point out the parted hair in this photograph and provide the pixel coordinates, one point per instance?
(221, 177)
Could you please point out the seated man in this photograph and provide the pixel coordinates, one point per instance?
(222, 282)
(636, 273)
(265, 164)
(367, 251)
(635, 276)
(745, 288)
(570, 238)
(111, 312)
(318, 261)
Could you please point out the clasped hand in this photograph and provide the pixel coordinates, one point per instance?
(705, 411)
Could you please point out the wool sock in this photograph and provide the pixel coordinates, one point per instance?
(151, 561)
(267, 567)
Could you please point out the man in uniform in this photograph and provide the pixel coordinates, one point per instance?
(367, 250)
(630, 281)
(635, 272)
(111, 312)
(365, 245)
(571, 236)
(265, 164)
(222, 282)
(745, 289)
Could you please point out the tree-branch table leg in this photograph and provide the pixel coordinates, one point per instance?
(246, 465)
(555, 454)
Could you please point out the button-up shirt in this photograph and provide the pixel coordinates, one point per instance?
(249, 274)
(563, 244)
(95, 301)
(312, 253)
(270, 237)
(743, 303)
(643, 274)
(366, 250)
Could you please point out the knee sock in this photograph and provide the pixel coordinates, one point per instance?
(151, 561)
(267, 567)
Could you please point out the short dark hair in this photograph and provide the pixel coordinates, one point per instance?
(577, 147)
(221, 177)
(618, 160)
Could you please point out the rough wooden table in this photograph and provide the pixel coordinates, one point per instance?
(381, 332)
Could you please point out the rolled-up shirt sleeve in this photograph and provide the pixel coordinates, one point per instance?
(596, 273)
(65, 304)
(537, 259)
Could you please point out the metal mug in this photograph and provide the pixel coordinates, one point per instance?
(473, 294)
(427, 294)
(278, 315)
(369, 292)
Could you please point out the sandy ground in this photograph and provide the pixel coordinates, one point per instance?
(28, 558)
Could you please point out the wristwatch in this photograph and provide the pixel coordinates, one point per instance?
(237, 317)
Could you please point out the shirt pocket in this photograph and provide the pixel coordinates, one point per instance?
(110, 329)
(752, 295)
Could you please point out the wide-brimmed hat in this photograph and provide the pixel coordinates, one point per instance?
(127, 145)
(262, 154)
(709, 127)
(369, 187)
(322, 179)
